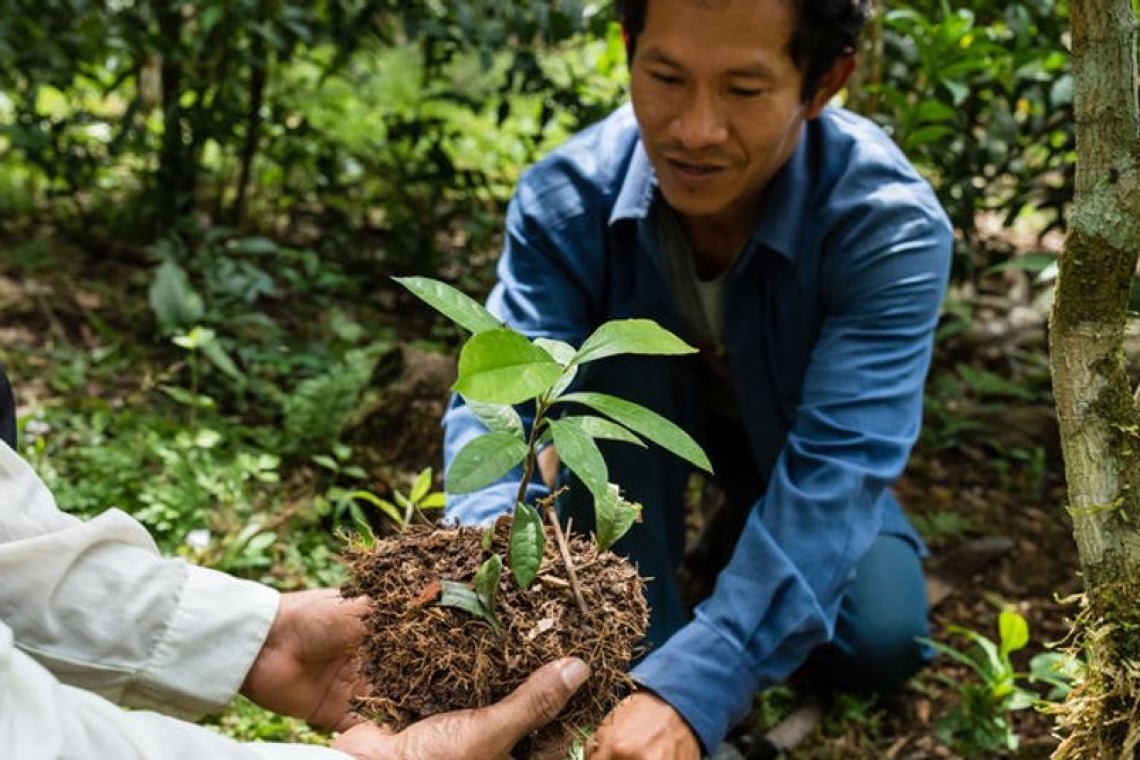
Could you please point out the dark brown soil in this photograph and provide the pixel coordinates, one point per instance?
(422, 658)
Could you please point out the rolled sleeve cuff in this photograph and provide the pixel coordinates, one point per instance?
(217, 630)
(704, 677)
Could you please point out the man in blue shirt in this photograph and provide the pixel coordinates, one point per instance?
(795, 245)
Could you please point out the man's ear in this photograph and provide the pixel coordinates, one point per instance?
(831, 83)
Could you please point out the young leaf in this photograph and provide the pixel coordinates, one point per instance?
(502, 367)
(362, 525)
(385, 506)
(461, 597)
(599, 427)
(645, 423)
(527, 543)
(579, 453)
(615, 516)
(456, 306)
(487, 581)
(499, 418)
(561, 351)
(631, 336)
(1013, 632)
(484, 460)
(421, 486)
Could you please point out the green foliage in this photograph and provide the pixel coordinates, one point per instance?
(480, 600)
(980, 725)
(979, 95)
(499, 367)
(527, 543)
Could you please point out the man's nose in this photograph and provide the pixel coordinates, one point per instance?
(701, 121)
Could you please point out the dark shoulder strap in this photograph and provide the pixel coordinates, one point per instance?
(7, 411)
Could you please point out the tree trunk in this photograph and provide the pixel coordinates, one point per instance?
(258, 77)
(177, 174)
(1096, 408)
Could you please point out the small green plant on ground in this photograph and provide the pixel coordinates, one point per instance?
(980, 724)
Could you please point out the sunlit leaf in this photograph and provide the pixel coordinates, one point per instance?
(1013, 632)
(484, 460)
(453, 304)
(421, 486)
(527, 543)
(559, 350)
(502, 367)
(614, 517)
(580, 454)
(600, 427)
(631, 336)
(646, 424)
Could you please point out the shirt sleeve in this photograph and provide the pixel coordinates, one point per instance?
(42, 719)
(95, 604)
(857, 419)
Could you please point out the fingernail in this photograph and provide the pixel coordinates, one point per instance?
(574, 673)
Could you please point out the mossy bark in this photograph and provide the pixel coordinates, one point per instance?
(1096, 406)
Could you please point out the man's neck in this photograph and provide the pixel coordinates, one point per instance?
(716, 242)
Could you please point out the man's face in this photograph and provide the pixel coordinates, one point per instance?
(718, 101)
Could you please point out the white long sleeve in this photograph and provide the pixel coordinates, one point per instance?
(93, 603)
(41, 719)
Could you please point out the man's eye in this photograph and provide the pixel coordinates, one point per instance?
(745, 92)
(669, 79)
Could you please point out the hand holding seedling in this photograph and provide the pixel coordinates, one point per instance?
(306, 667)
(490, 732)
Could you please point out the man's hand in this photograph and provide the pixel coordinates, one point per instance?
(643, 727)
(488, 733)
(306, 667)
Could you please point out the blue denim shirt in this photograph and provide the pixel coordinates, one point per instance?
(829, 316)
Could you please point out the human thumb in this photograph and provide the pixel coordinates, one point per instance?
(539, 700)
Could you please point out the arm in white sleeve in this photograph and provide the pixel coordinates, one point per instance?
(95, 604)
(41, 719)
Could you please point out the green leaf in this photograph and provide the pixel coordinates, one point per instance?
(502, 367)
(421, 486)
(499, 418)
(174, 302)
(388, 508)
(220, 359)
(487, 581)
(614, 517)
(456, 306)
(484, 460)
(464, 598)
(527, 543)
(646, 424)
(559, 350)
(600, 427)
(631, 336)
(1013, 632)
(579, 453)
(362, 525)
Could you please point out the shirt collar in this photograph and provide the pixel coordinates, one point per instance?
(784, 207)
(637, 189)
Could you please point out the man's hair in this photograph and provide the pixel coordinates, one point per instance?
(825, 31)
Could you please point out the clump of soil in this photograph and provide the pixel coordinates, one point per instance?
(422, 658)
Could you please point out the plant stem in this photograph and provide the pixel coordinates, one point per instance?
(564, 549)
(546, 505)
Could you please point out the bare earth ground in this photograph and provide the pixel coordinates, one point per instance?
(1002, 479)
